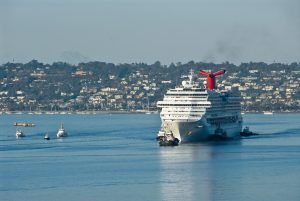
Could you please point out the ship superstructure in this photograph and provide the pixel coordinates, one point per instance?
(194, 113)
(61, 132)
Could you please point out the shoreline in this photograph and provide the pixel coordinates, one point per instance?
(114, 112)
(75, 112)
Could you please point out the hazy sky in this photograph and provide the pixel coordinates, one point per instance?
(129, 31)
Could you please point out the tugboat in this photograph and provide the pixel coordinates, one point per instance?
(19, 133)
(46, 137)
(219, 134)
(246, 132)
(61, 132)
(167, 139)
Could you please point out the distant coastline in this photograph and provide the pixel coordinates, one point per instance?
(100, 86)
(86, 112)
(75, 112)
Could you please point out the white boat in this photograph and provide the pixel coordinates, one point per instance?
(152, 112)
(268, 113)
(61, 132)
(46, 137)
(193, 113)
(19, 133)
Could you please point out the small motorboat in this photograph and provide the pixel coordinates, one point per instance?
(46, 137)
(25, 124)
(19, 133)
(61, 132)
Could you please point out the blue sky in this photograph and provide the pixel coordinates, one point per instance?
(129, 31)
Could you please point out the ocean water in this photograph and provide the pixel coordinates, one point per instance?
(114, 157)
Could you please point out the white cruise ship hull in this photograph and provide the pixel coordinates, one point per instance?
(199, 131)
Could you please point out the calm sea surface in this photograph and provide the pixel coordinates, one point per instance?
(115, 157)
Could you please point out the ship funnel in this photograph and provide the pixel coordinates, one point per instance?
(211, 78)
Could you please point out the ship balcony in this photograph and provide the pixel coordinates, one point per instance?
(181, 118)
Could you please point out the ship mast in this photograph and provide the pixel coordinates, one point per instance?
(190, 83)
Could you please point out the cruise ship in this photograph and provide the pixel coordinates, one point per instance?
(192, 112)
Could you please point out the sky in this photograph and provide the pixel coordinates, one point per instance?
(129, 31)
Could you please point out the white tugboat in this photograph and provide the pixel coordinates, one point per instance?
(61, 132)
(19, 133)
(193, 113)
